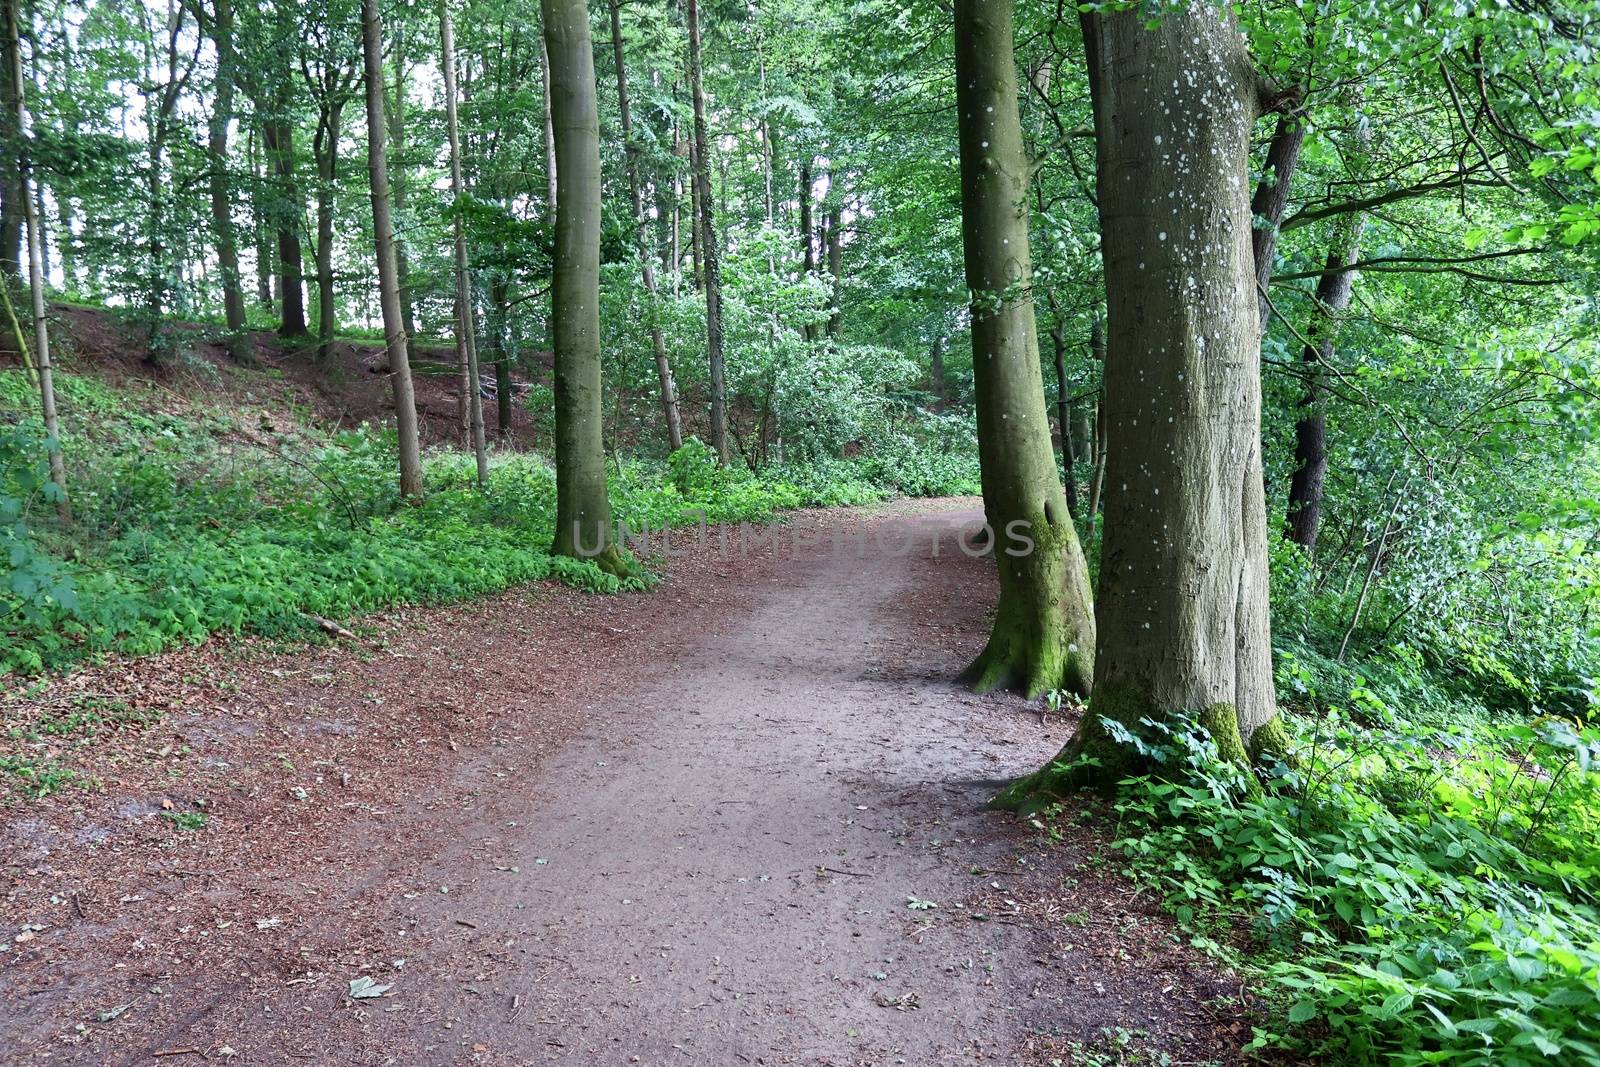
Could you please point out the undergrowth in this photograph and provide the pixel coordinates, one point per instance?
(1411, 893)
(192, 520)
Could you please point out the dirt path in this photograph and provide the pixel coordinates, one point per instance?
(743, 827)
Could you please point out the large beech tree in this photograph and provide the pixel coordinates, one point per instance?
(1043, 636)
(1182, 607)
(583, 510)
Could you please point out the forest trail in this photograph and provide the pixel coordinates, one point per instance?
(757, 837)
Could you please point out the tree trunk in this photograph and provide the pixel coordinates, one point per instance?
(936, 374)
(395, 340)
(13, 208)
(466, 334)
(709, 251)
(67, 243)
(278, 139)
(1270, 201)
(326, 149)
(1058, 343)
(36, 274)
(1182, 604)
(500, 354)
(694, 219)
(221, 188)
(658, 345)
(400, 186)
(1043, 636)
(260, 226)
(583, 510)
(808, 255)
(835, 270)
(552, 187)
(1310, 429)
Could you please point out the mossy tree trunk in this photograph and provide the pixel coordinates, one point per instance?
(1182, 601)
(396, 342)
(1043, 636)
(583, 511)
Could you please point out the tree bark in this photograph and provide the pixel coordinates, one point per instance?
(466, 334)
(221, 187)
(1182, 605)
(326, 149)
(500, 354)
(835, 270)
(658, 345)
(260, 227)
(278, 140)
(1043, 635)
(1271, 199)
(552, 187)
(36, 275)
(808, 254)
(583, 510)
(400, 186)
(709, 252)
(1058, 343)
(395, 340)
(13, 209)
(1334, 288)
(936, 374)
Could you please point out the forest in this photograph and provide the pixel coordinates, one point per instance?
(800, 531)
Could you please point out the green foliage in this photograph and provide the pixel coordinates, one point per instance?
(1420, 895)
(194, 524)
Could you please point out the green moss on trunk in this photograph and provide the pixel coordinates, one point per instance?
(1093, 759)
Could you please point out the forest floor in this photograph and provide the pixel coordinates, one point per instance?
(738, 819)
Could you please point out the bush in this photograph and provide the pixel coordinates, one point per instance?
(1420, 895)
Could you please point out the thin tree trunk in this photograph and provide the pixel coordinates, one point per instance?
(466, 337)
(395, 340)
(1334, 288)
(1043, 634)
(1058, 343)
(499, 292)
(835, 270)
(260, 227)
(1097, 433)
(808, 256)
(41, 327)
(1182, 599)
(400, 184)
(552, 187)
(658, 345)
(67, 242)
(326, 149)
(1271, 199)
(221, 188)
(13, 209)
(694, 218)
(709, 251)
(583, 510)
(38, 221)
(936, 374)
